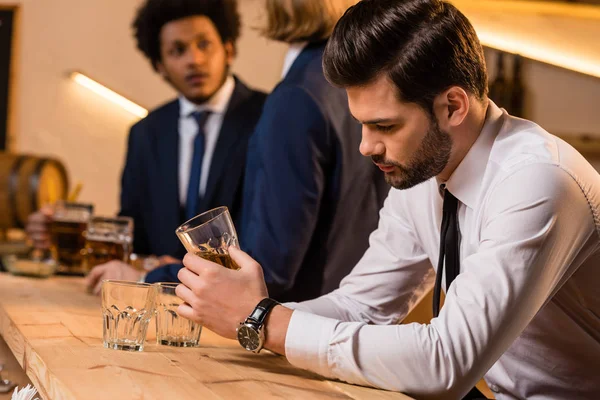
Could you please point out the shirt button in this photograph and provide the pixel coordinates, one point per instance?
(494, 388)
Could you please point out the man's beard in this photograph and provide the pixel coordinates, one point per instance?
(429, 160)
(203, 99)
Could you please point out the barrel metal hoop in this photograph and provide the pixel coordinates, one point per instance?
(13, 187)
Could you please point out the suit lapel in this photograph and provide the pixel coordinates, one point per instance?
(167, 156)
(228, 136)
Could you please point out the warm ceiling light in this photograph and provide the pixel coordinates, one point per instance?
(560, 34)
(110, 95)
(538, 52)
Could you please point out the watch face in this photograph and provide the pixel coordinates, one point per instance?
(248, 338)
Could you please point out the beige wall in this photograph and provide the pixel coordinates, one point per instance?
(54, 116)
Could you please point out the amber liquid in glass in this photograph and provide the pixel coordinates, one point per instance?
(68, 243)
(102, 251)
(218, 258)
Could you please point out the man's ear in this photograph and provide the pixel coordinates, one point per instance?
(230, 52)
(451, 107)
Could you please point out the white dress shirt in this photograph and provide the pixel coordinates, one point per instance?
(188, 128)
(525, 309)
(292, 54)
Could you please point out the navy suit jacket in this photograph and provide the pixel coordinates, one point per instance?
(310, 198)
(149, 189)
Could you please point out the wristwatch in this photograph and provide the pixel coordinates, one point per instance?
(251, 332)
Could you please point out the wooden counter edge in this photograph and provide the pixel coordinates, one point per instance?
(45, 382)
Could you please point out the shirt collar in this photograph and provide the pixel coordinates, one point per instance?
(465, 181)
(217, 104)
(292, 54)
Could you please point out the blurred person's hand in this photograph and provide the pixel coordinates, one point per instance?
(38, 227)
(115, 269)
(150, 263)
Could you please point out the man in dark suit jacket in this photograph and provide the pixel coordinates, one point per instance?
(150, 183)
(187, 156)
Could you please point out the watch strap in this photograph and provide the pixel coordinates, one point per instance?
(262, 310)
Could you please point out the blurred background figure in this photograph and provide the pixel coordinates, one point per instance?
(310, 199)
(188, 155)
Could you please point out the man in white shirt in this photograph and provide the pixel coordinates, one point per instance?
(505, 213)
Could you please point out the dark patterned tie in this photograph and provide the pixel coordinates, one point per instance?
(193, 196)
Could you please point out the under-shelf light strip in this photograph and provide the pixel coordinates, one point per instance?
(110, 95)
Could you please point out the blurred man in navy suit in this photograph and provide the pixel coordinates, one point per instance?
(189, 155)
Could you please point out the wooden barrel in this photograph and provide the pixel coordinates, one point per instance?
(26, 183)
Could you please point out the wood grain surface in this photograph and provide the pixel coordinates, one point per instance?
(54, 330)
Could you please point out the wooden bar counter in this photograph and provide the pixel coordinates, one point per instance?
(54, 330)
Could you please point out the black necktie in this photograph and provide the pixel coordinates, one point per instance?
(450, 253)
(449, 249)
(193, 195)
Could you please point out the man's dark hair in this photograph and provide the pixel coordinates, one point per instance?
(424, 47)
(154, 14)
